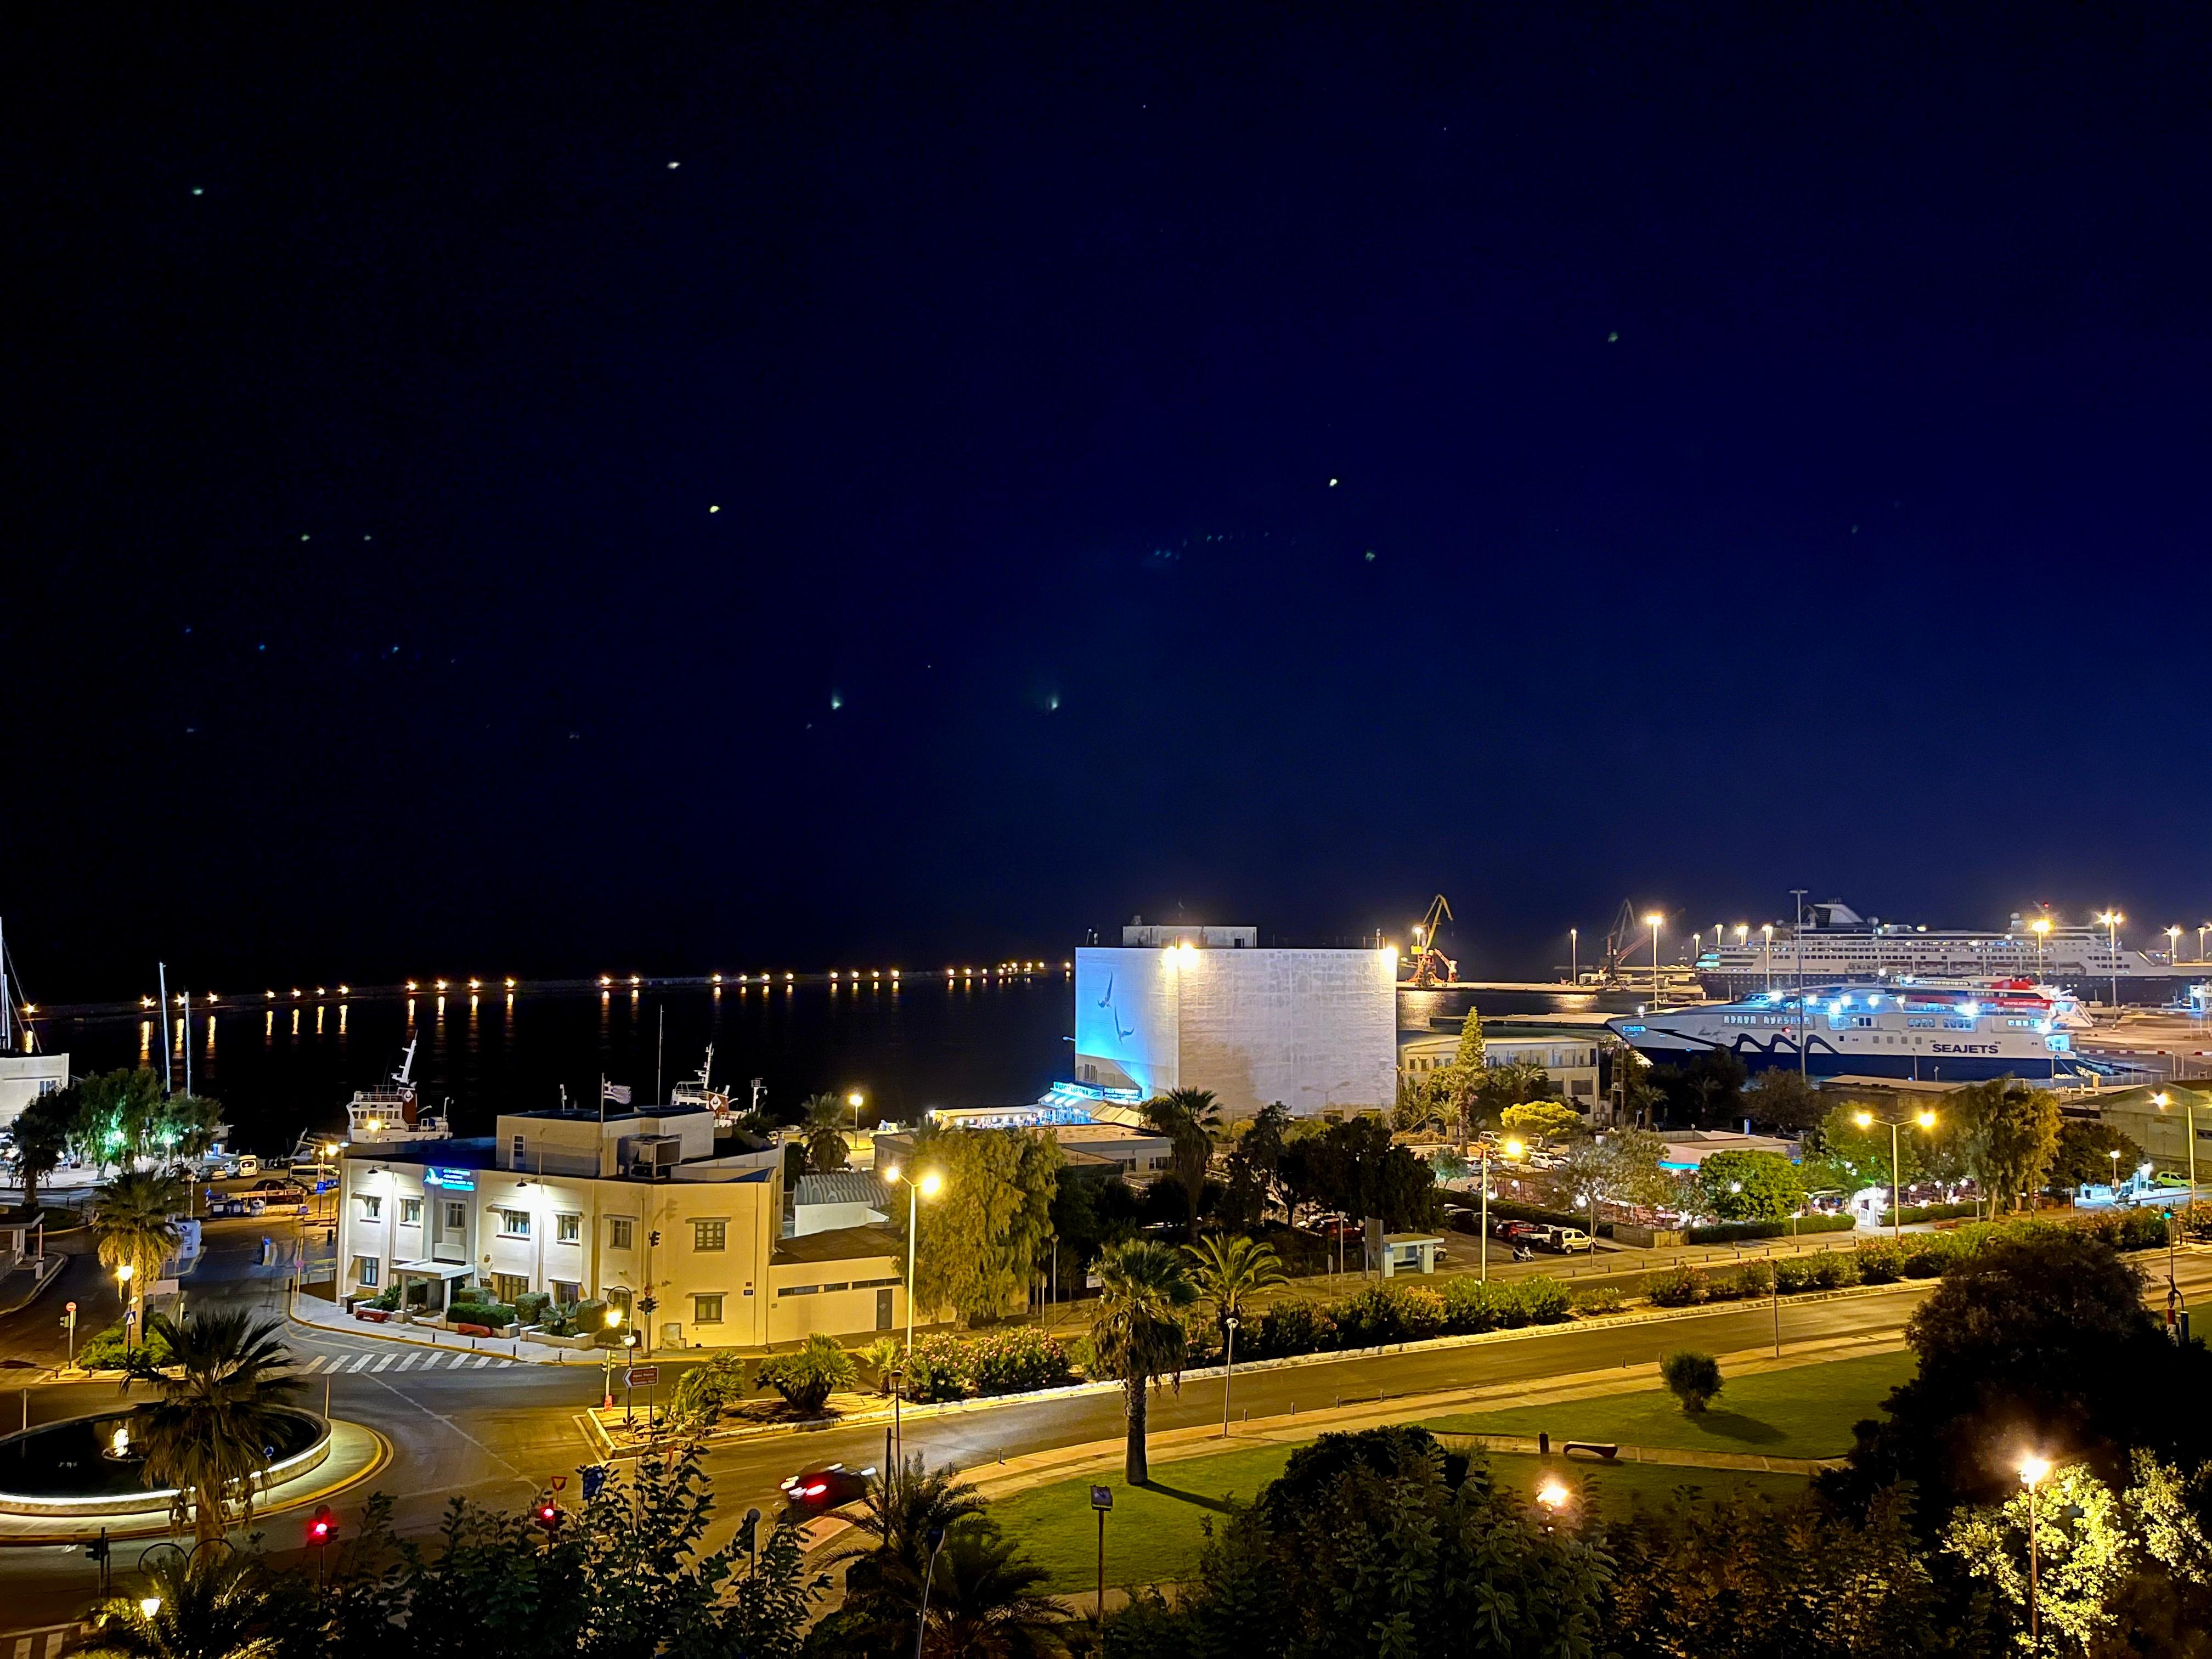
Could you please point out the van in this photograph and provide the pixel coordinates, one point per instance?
(1567, 1241)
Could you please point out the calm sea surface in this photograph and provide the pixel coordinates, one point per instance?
(280, 1070)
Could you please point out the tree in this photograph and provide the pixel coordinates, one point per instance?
(1254, 1161)
(984, 1234)
(986, 1600)
(1750, 1186)
(2011, 1134)
(1459, 1083)
(1635, 1098)
(2037, 1339)
(1190, 1118)
(1848, 1156)
(214, 1603)
(1138, 1333)
(1542, 1119)
(1620, 1167)
(824, 1137)
(208, 1430)
(1351, 1165)
(133, 1218)
(2083, 1156)
(1706, 1093)
(1691, 1377)
(115, 1113)
(1227, 1270)
(809, 1374)
(884, 1356)
(1381, 1544)
(42, 1137)
(1782, 1097)
(1089, 1212)
(704, 1391)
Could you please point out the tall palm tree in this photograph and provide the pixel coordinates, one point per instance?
(1190, 1118)
(825, 1136)
(134, 1218)
(1137, 1333)
(1227, 1270)
(984, 1600)
(212, 1603)
(210, 1432)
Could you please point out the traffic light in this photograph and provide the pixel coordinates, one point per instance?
(97, 1550)
(322, 1527)
(549, 1516)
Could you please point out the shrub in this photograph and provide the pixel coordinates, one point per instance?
(1794, 1273)
(1693, 1378)
(704, 1391)
(1014, 1361)
(1928, 1255)
(1931, 1212)
(104, 1353)
(809, 1374)
(882, 1357)
(532, 1307)
(388, 1301)
(1599, 1299)
(1835, 1269)
(1881, 1262)
(474, 1307)
(934, 1371)
(1675, 1287)
(1751, 1278)
(1421, 1313)
(1474, 1305)
(1293, 1327)
(1542, 1301)
(1803, 1226)
(1371, 1317)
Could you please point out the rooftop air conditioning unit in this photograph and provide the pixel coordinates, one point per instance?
(652, 1157)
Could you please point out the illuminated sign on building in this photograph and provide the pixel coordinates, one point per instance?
(458, 1180)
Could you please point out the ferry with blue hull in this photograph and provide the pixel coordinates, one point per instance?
(1925, 1033)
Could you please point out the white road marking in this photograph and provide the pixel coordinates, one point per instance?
(386, 1360)
(362, 1363)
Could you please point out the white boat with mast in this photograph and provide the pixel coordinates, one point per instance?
(386, 1116)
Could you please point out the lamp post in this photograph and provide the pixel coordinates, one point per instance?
(1655, 919)
(1575, 958)
(1513, 1149)
(2173, 946)
(2203, 929)
(853, 1100)
(2032, 1471)
(607, 1369)
(2041, 928)
(124, 1274)
(2113, 919)
(1867, 1119)
(918, 1187)
(1229, 1323)
(2162, 1100)
(1766, 935)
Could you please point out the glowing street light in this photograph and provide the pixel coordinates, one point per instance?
(2162, 1100)
(1867, 1119)
(2113, 919)
(1553, 1495)
(928, 1184)
(2173, 945)
(2041, 928)
(1655, 919)
(2032, 1472)
(1513, 1150)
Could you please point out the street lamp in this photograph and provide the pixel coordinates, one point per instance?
(2173, 946)
(1655, 919)
(2041, 928)
(2163, 1101)
(1513, 1150)
(853, 1100)
(148, 1606)
(2113, 919)
(1766, 934)
(2115, 1183)
(1575, 956)
(124, 1274)
(607, 1383)
(2032, 1471)
(925, 1185)
(1230, 1377)
(1867, 1119)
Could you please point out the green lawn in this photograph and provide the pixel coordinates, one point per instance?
(1153, 1534)
(1805, 1412)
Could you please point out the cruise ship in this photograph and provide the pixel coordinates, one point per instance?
(1951, 1033)
(1838, 946)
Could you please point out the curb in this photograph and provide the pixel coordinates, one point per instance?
(58, 1261)
(375, 1333)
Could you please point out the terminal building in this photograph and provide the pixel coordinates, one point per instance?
(584, 1209)
(1204, 1007)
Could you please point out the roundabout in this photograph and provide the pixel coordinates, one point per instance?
(74, 1479)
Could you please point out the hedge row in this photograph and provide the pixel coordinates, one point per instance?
(1015, 1360)
(1803, 1226)
(1393, 1313)
(1931, 1212)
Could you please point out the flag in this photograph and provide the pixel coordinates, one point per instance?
(617, 1092)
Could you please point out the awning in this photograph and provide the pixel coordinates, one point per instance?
(447, 1270)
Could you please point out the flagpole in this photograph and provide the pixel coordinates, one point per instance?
(603, 1100)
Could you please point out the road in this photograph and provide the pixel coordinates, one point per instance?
(497, 1433)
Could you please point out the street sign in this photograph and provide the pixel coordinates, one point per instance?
(1101, 1498)
(643, 1376)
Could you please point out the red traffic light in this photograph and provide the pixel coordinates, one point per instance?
(549, 1516)
(321, 1527)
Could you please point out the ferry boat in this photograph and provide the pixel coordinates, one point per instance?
(387, 1116)
(1838, 946)
(1955, 1031)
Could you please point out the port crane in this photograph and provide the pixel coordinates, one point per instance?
(1430, 965)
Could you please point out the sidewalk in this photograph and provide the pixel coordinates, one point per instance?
(330, 1320)
(21, 1287)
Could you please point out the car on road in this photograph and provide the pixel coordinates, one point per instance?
(277, 1193)
(826, 1488)
(2168, 1178)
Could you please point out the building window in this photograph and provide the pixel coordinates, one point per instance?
(456, 1215)
(567, 1230)
(508, 1286)
(50, 1086)
(709, 1234)
(410, 1211)
(372, 1207)
(514, 1223)
(566, 1293)
(365, 1269)
(706, 1310)
(520, 1157)
(799, 1290)
(621, 1230)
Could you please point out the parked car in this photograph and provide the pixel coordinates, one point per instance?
(275, 1193)
(826, 1488)
(1566, 1241)
(1511, 1229)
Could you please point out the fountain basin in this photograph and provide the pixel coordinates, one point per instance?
(67, 1469)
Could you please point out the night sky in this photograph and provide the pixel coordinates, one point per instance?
(574, 488)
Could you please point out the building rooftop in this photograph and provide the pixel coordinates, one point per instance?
(839, 1245)
(840, 1187)
(628, 1113)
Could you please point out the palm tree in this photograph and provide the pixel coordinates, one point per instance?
(824, 1136)
(905, 1504)
(211, 1603)
(211, 1432)
(1137, 1333)
(42, 1135)
(134, 1218)
(984, 1600)
(1190, 1118)
(1226, 1270)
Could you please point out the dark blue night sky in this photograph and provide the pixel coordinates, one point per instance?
(1284, 462)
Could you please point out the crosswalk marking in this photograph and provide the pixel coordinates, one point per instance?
(362, 1363)
(386, 1360)
(332, 1364)
(408, 1364)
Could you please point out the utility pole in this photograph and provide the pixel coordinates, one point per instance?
(161, 971)
(1797, 943)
